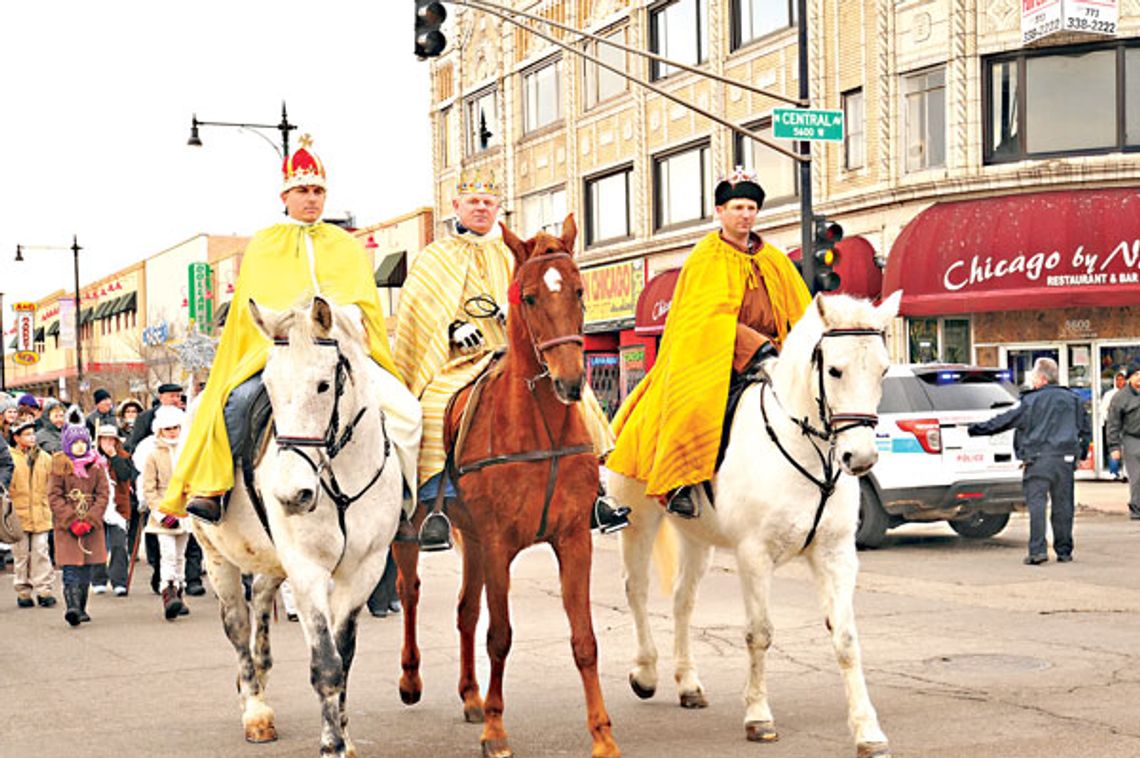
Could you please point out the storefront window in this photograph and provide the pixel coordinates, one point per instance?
(956, 340)
(923, 334)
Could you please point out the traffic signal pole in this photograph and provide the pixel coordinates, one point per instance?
(807, 231)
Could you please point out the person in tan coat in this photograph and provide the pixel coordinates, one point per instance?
(29, 494)
(78, 493)
(172, 534)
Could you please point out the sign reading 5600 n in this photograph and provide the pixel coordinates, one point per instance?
(807, 124)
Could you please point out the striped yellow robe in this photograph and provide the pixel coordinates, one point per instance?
(668, 429)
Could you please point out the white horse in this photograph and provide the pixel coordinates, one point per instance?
(811, 426)
(331, 489)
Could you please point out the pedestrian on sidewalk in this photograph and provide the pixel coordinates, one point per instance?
(29, 492)
(1052, 433)
(172, 534)
(127, 413)
(121, 475)
(1124, 435)
(8, 415)
(78, 493)
(104, 412)
(47, 436)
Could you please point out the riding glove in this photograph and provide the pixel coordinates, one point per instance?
(465, 336)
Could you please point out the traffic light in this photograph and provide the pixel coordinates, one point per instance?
(825, 256)
(430, 16)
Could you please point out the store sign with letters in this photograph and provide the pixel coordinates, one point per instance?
(611, 291)
(1040, 18)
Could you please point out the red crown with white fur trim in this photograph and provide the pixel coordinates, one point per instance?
(303, 168)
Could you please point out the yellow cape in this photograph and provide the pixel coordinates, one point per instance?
(275, 272)
(668, 429)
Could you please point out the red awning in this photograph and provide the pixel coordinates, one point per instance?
(654, 301)
(1037, 251)
(858, 274)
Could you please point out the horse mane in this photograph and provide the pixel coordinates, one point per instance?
(302, 332)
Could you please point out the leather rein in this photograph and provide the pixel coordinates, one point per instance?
(833, 425)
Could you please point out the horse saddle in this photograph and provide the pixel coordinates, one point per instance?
(462, 407)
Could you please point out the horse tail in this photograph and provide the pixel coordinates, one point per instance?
(665, 556)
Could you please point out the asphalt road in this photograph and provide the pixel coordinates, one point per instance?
(967, 652)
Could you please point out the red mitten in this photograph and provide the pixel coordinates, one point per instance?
(80, 528)
(170, 522)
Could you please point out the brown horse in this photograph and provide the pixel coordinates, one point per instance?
(527, 474)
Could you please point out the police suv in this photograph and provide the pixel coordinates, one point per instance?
(929, 468)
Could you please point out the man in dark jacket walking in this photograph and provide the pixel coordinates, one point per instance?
(1052, 433)
(1123, 434)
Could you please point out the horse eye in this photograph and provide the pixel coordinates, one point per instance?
(322, 387)
(835, 372)
(579, 293)
(530, 299)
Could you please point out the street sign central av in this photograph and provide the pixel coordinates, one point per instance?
(807, 124)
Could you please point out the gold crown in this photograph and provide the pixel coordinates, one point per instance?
(477, 181)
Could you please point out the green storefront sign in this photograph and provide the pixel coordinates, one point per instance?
(200, 295)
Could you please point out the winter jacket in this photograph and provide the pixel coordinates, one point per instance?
(122, 473)
(47, 438)
(1049, 421)
(96, 419)
(1123, 416)
(29, 489)
(156, 475)
(6, 466)
(66, 492)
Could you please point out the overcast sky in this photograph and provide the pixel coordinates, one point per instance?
(96, 108)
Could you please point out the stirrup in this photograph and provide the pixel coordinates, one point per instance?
(608, 516)
(683, 504)
(435, 533)
(207, 508)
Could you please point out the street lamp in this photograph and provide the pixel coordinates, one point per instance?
(284, 127)
(75, 248)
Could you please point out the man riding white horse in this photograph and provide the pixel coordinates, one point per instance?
(294, 260)
(451, 321)
(736, 300)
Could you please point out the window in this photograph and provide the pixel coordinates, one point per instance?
(602, 84)
(682, 187)
(1062, 101)
(945, 340)
(607, 207)
(854, 147)
(445, 137)
(777, 173)
(482, 122)
(678, 30)
(752, 19)
(542, 211)
(542, 96)
(925, 103)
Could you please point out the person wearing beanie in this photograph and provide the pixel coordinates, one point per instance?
(8, 415)
(736, 299)
(172, 534)
(29, 492)
(47, 436)
(104, 412)
(28, 408)
(120, 475)
(78, 493)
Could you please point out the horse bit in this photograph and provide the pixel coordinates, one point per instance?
(828, 420)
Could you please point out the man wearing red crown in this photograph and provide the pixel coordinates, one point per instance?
(451, 320)
(298, 258)
(735, 301)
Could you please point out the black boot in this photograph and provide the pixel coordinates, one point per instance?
(608, 516)
(206, 508)
(71, 597)
(185, 609)
(435, 533)
(171, 602)
(83, 589)
(682, 503)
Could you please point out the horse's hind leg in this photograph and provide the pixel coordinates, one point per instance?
(694, 564)
(326, 669)
(407, 555)
(835, 567)
(574, 554)
(756, 570)
(636, 551)
(467, 617)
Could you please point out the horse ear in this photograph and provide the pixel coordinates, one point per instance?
(890, 307)
(569, 233)
(322, 316)
(260, 321)
(517, 246)
(820, 308)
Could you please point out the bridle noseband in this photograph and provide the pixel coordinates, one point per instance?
(540, 347)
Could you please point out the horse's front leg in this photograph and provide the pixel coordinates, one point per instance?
(467, 617)
(264, 591)
(574, 560)
(407, 555)
(497, 575)
(326, 668)
(756, 568)
(836, 566)
(694, 564)
(636, 551)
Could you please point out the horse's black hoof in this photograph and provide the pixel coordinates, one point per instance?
(642, 692)
(694, 700)
(410, 697)
(761, 731)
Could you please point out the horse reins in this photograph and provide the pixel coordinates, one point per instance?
(828, 420)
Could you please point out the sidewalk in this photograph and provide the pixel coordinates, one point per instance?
(1102, 497)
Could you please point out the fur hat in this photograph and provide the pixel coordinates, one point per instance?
(74, 430)
(741, 183)
(127, 404)
(167, 417)
(107, 430)
(23, 426)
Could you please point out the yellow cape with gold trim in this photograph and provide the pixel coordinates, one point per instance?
(668, 429)
(275, 272)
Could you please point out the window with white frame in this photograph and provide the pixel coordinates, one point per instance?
(752, 19)
(678, 30)
(775, 172)
(542, 95)
(925, 111)
(682, 187)
(542, 212)
(601, 84)
(483, 122)
(607, 206)
(854, 146)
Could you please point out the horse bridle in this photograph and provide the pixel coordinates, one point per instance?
(828, 420)
(540, 348)
(335, 440)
